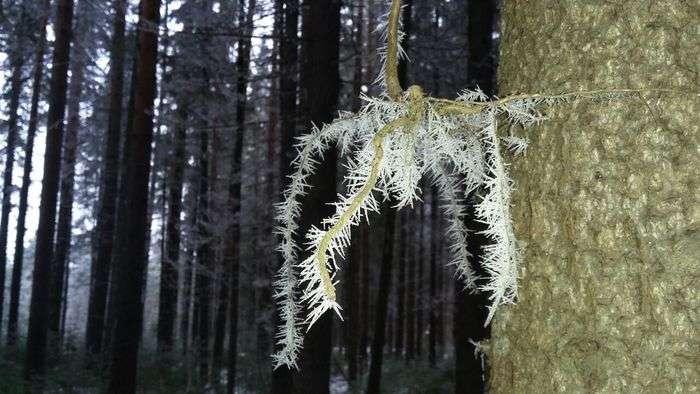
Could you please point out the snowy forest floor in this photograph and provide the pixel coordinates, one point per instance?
(71, 375)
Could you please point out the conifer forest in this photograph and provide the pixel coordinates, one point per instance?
(349, 196)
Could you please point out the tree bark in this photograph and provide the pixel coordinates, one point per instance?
(401, 289)
(204, 258)
(17, 61)
(289, 69)
(320, 81)
(18, 262)
(106, 218)
(35, 365)
(233, 252)
(377, 354)
(129, 272)
(603, 202)
(65, 211)
(433, 302)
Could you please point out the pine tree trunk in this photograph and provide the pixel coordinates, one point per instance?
(203, 289)
(233, 251)
(17, 65)
(129, 270)
(605, 202)
(106, 218)
(420, 288)
(65, 210)
(18, 262)
(377, 353)
(167, 303)
(320, 81)
(289, 58)
(38, 316)
(410, 293)
(433, 302)
(401, 288)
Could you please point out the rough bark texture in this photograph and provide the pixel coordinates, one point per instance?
(606, 204)
(129, 270)
(233, 249)
(38, 313)
(108, 200)
(18, 262)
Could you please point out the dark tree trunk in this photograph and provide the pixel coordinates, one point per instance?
(411, 288)
(65, 210)
(202, 296)
(106, 218)
(420, 293)
(470, 313)
(365, 315)
(233, 252)
(320, 81)
(433, 302)
(186, 326)
(289, 58)
(167, 305)
(38, 316)
(37, 75)
(120, 226)
(129, 270)
(17, 65)
(470, 309)
(401, 288)
(377, 354)
(354, 335)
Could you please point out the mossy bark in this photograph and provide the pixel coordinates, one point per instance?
(606, 205)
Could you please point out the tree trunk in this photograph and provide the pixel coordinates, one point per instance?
(320, 86)
(289, 69)
(65, 211)
(38, 316)
(233, 252)
(204, 259)
(410, 284)
(17, 61)
(433, 302)
(401, 288)
(37, 75)
(377, 354)
(167, 303)
(129, 270)
(605, 202)
(420, 288)
(106, 218)
(470, 308)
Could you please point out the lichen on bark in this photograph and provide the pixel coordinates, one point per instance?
(607, 205)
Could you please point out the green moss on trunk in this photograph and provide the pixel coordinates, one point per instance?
(607, 203)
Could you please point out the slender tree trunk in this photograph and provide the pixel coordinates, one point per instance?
(129, 272)
(433, 302)
(401, 288)
(17, 65)
(420, 288)
(377, 354)
(411, 288)
(38, 315)
(106, 218)
(167, 306)
(470, 308)
(37, 75)
(320, 85)
(65, 210)
(61, 255)
(120, 227)
(353, 296)
(204, 259)
(289, 58)
(188, 271)
(233, 253)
